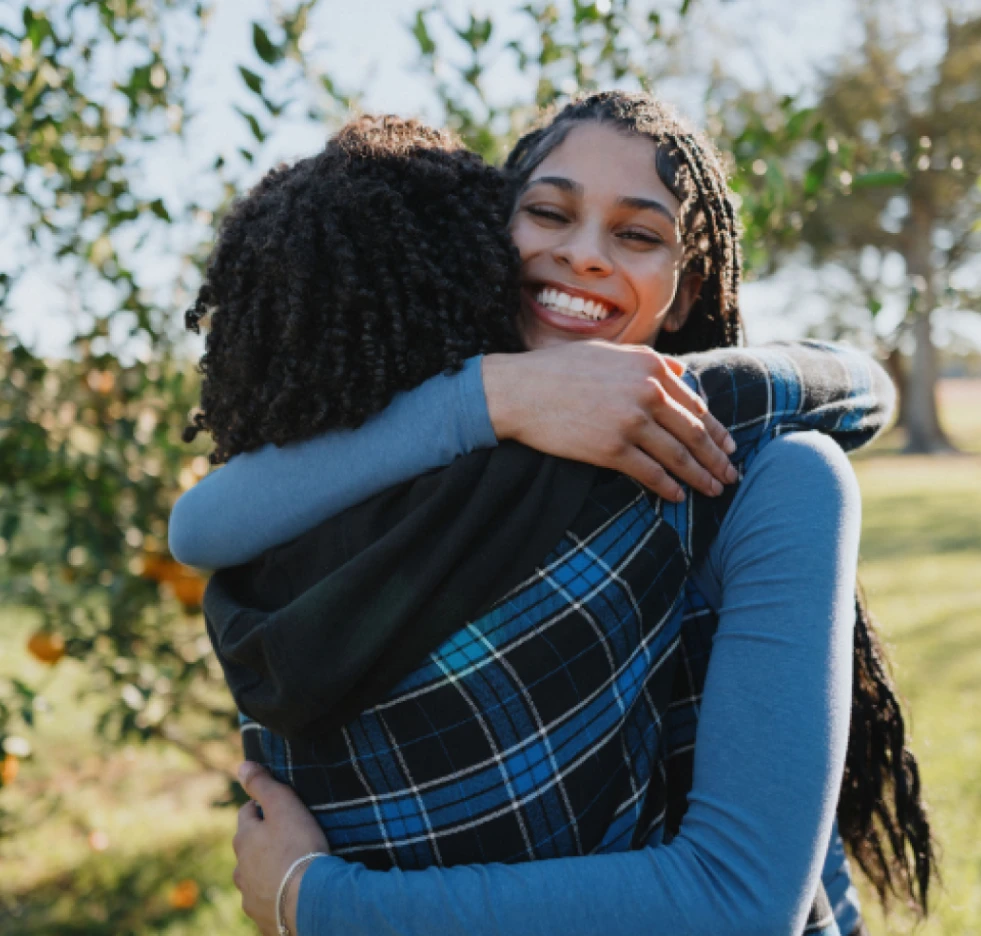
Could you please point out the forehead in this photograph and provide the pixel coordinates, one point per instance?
(608, 163)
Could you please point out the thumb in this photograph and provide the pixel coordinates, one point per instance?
(258, 783)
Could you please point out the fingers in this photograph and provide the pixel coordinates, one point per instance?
(643, 469)
(687, 398)
(662, 444)
(694, 437)
(667, 371)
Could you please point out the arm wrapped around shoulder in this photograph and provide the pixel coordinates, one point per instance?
(784, 386)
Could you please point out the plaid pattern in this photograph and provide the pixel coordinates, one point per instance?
(563, 721)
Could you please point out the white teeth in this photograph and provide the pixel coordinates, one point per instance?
(573, 306)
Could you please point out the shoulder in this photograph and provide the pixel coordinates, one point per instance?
(799, 466)
(799, 493)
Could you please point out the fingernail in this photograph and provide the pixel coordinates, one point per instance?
(729, 446)
(732, 476)
(716, 488)
(679, 496)
(244, 772)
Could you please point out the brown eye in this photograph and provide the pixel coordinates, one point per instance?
(641, 238)
(547, 213)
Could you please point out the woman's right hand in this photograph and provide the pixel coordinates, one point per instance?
(623, 407)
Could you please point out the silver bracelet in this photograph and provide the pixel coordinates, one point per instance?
(284, 884)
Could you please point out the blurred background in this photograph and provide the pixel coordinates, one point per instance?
(127, 126)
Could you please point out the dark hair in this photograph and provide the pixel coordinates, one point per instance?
(881, 814)
(349, 276)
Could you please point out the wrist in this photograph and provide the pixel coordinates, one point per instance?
(288, 897)
(500, 377)
(292, 899)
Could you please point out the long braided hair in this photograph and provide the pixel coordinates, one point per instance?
(881, 814)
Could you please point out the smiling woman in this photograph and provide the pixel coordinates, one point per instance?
(615, 244)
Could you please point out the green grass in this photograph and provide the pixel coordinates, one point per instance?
(921, 566)
(151, 806)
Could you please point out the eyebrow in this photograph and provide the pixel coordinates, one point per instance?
(628, 201)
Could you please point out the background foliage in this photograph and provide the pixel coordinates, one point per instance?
(881, 160)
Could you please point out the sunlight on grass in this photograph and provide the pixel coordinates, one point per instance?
(921, 567)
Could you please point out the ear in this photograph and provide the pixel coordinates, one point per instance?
(688, 290)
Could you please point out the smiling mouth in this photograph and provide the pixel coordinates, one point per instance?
(576, 307)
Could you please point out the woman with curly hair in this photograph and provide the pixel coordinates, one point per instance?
(565, 258)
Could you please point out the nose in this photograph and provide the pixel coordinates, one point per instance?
(582, 251)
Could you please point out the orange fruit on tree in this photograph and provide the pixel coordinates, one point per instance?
(9, 769)
(46, 646)
(189, 590)
(160, 568)
(184, 895)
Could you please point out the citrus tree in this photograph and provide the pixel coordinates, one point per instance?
(90, 454)
(91, 460)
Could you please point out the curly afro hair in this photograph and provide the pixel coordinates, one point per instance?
(349, 276)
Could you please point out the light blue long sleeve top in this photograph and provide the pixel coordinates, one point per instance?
(771, 745)
(268, 497)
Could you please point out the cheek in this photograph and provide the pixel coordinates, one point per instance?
(528, 238)
(655, 278)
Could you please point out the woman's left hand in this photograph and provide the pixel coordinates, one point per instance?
(267, 845)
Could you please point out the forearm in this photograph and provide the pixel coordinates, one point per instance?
(761, 391)
(749, 852)
(265, 498)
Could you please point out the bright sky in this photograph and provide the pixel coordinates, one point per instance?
(368, 46)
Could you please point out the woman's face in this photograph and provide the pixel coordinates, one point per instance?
(601, 252)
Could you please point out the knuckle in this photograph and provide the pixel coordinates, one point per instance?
(701, 437)
(680, 460)
(653, 392)
(649, 358)
(614, 450)
(634, 421)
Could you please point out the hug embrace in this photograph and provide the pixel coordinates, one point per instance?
(535, 589)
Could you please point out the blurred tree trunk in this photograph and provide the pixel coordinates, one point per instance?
(920, 416)
(897, 369)
(885, 167)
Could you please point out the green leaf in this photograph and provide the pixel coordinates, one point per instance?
(265, 48)
(584, 12)
(251, 79)
(798, 122)
(273, 108)
(160, 210)
(425, 42)
(817, 172)
(254, 125)
(684, 7)
(887, 179)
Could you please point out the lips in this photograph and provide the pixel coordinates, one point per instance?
(570, 309)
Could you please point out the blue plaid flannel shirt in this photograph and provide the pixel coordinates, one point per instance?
(563, 721)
